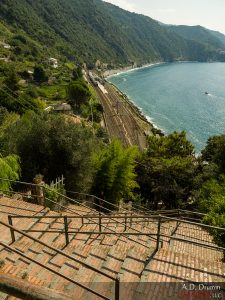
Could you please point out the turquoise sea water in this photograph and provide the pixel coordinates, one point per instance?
(173, 97)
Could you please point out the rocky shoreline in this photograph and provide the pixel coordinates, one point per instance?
(152, 129)
(118, 71)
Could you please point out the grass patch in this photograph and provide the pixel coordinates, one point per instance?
(53, 92)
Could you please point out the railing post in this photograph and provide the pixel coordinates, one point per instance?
(11, 230)
(117, 289)
(130, 219)
(100, 223)
(178, 216)
(125, 227)
(44, 197)
(158, 233)
(66, 230)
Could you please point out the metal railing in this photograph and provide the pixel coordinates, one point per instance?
(179, 212)
(159, 219)
(115, 219)
(159, 234)
(141, 209)
(68, 231)
(80, 204)
(13, 229)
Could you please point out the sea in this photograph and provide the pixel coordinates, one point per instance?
(179, 96)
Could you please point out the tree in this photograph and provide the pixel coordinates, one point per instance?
(77, 73)
(211, 200)
(5, 122)
(11, 80)
(9, 169)
(92, 111)
(216, 217)
(115, 172)
(3, 114)
(78, 94)
(19, 103)
(52, 145)
(209, 189)
(40, 74)
(210, 197)
(166, 170)
(214, 151)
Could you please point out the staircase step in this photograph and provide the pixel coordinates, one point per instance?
(85, 276)
(70, 268)
(3, 296)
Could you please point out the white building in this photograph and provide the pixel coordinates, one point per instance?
(53, 62)
(4, 45)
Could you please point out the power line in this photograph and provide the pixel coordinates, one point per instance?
(30, 104)
(14, 98)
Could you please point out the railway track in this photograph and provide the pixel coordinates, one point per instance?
(119, 119)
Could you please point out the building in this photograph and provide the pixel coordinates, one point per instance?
(64, 108)
(4, 45)
(53, 62)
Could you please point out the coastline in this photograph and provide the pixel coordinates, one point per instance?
(148, 125)
(153, 128)
(115, 72)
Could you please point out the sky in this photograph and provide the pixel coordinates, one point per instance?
(207, 13)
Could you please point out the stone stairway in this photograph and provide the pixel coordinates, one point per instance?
(133, 259)
(169, 266)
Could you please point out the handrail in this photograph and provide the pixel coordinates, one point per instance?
(153, 216)
(78, 193)
(105, 201)
(72, 200)
(193, 223)
(113, 231)
(33, 184)
(90, 195)
(63, 254)
(159, 217)
(136, 234)
(192, 212)
(193, 242)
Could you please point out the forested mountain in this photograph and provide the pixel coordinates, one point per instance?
(219, 35)
(198, 33)
(92, 29)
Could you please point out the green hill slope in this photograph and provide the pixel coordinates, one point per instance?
(198, 33)
(92, 29)
(219, 35)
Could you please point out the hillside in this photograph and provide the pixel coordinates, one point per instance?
(198, 33)
(219, 35)
(93, 30)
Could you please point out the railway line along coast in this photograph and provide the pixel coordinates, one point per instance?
(122, 119)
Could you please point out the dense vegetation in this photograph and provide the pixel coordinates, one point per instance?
(95, 30)
(115, 172)
(9, 169)
(166, 171)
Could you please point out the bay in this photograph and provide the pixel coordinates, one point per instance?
(173, 96)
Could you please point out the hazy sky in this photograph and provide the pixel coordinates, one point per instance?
(208, 13)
